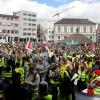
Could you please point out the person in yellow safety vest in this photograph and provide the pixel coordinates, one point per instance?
(20, 70)
(66, 87)
(53, 79)
(88, 74)
(89, 63)
(26, 68)
(7, 74)
(63, 67)
(81, 85)
(2, 63)
(43, 92)
(95, 83)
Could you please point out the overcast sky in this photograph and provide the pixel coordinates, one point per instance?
(47, 8)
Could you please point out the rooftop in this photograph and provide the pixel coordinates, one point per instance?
(77, 38)
(75, 21)
(11, 16)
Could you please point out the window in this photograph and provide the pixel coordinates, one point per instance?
(29, 24)
(77, 30)
(29, 33)
(4, 31)
(29, 29)
(0, 37)
(65, 29)
(33, 24)
(58, 37)
(29, 14)
(25, 23)
(91, 29)
(24, 29)
(29, 19)
(12, 31)
(91, 37)
(52, 31)
(24, 33)
(49, 31)
(33, 29)
(24, 19)
(7, 18)
(12, 19)
(84, 29)
(16, 25)
(12, 24)
(4, 37)
(52, 36)
(33, 34)
(8, 31)
(59, 29)
(16, 31)
(24, 14)
(72, 29)
(33, 20)
(34, 15)
(65, 37)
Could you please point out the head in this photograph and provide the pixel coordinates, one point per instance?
(16, 78)
(43, 88)
(70, 67)
(32, 67)
(40, 60)
(54, 66)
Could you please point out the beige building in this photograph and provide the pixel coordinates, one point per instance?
(98, 34)
(9, 27)
(20, 26)
(65, 27)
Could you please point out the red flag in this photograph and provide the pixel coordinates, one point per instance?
(45, 44)
(97, 72)
(29, 46)
(93, 46)
(90, 91)
(21, 45)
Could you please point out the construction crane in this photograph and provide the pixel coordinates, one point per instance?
(58, 13)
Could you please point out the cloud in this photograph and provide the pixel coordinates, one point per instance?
(84, 10)
(92, 1)
(81, 10)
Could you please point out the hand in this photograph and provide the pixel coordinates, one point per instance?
(27, 82)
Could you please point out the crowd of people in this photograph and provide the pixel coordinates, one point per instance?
(48, 72)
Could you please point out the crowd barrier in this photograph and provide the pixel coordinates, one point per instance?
(84, 96)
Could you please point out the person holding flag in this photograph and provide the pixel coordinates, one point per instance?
(29, 46)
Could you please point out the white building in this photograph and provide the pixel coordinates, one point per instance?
(45, 29)
(27, 25)
(65, 27)
(98, 34)
(8, 28)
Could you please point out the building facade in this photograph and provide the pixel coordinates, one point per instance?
(27, 25)
(9, 27)
(98, 34)
(65, 27)
(45, 30)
